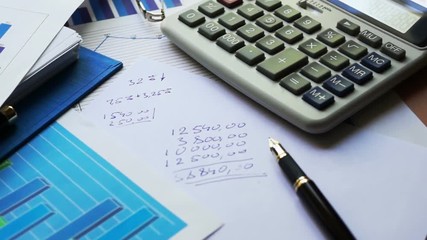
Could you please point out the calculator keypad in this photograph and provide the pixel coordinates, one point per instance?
(320, 64)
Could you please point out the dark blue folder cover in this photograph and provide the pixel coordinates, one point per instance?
(47, 103)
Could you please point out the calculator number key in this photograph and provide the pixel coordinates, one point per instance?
(192, 18)
(269, 5)
(287, 13)
(230, 42)
(250, 32)
(231, 21)
(211, 30)
(250, 11)
(307, 24)
(270, 44)
(289, 34)
(269, 23)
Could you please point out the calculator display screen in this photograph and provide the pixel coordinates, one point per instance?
(404, 18)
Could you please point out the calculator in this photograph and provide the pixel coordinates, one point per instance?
(314, 63)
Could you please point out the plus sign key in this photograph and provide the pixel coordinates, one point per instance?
(282, 64)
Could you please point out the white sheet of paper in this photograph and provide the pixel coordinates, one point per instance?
(212, 141)
(200, 222)
(27, 28)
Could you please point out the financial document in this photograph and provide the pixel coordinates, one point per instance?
(212, 141)
(26, 30)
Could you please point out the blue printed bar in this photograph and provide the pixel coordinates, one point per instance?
(1, 49)
(24, 223)
(124, 7)
(150, 5)
(101, 9)
(172, 3)
(3, 28)
(22, 195)
(80, 16)
(132, 225)
(88, 221)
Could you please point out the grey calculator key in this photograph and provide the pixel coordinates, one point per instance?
(393, 51)
(353, 50)
(348, 27)
(250, 55)
(335, 61)
(230, 42)
(316, 72)
(370, 38)
(307, 24)
(295, 83)
(289, 34)
(312, 48)
(331, 38)
(211, 30)
(250, 11)
(283, 63)
(288, 13)
(211, 8)
(270, 44)
(269, 5)
(339, 86)
(231, 21)
(269, 22)
(192, 18)
(250, 32)
(318, 98)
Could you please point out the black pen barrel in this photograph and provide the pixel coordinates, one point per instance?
(319, 206)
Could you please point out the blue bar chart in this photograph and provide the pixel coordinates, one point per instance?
(4, 27)
(57, 187)
(96, 10)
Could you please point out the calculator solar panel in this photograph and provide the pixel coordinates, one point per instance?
(310, 62)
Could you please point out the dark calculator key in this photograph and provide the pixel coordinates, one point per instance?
(287, 13)
(250, 32)
(313, 48)
(331, 38)
(295, 83)
(282, 63)
(231, 3)
(269, 22)
(250, 11)
(230, 42)
(353, 50)
(318, 98)
(250, 55)
(339, 86)
(348, 27)
(211, 9)
(231, 21)
(269, 5)
(211, 30)
(289, 34)
(270, 44)
(357, 74)
(307, 24)
(376, 62)
(316, 72)
(370, 38)
(393, 51)
(335, 61)
(192, 18)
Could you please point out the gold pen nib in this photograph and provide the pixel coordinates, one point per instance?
(276, 148)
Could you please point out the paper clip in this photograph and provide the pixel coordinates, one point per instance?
(152, 17)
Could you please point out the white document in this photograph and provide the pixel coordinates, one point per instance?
(26, 29)
(212, 141)
(198, 221)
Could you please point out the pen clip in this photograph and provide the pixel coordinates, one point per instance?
(152, 17)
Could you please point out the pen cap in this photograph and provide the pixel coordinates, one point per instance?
(8, 113)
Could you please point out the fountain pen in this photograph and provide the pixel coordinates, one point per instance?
(310, 195)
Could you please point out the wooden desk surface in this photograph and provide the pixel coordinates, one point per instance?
(413, 92)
